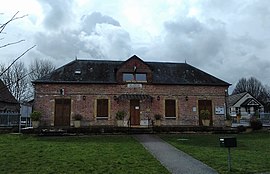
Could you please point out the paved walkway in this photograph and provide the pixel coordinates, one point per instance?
(176, 161)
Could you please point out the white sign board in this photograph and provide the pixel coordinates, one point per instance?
(134, 85)
(219, 110)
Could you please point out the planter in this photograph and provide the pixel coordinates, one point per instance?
(228, 123)
(157, 123)
(206, 122)
(77, 123)
(35, 124)
(120, 123)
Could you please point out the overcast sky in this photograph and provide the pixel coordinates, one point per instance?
(226, 38)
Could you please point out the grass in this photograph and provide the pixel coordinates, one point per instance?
(94, 154)
(252, 154)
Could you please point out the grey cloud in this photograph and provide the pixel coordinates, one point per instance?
(191, 40)
(58, 13)
(89, 22)
(106, 40)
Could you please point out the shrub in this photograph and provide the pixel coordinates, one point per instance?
(255, 124)
(35, 116)
(78, 117)
(120, 115)
(241, 128)
(205, 114)
(157, 116)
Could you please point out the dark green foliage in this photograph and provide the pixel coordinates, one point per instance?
(255, 123)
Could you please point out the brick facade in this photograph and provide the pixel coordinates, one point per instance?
(83, 97)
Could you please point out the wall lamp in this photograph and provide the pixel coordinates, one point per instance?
(84, 97)
(186, 98)
(158, 97)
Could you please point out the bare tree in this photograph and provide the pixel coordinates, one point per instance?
(253, 86)
(16, 81)
(40, 68)
(14, 75)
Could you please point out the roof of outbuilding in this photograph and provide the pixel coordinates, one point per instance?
(5, 95)
(232, 99)
(102, 71)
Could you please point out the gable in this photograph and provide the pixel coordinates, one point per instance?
(246, 100)
(134, 65)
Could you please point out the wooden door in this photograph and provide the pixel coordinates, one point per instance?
(205, 105)
(135, 112)
(62, 112)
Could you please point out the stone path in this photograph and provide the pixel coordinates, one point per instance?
(176, 161)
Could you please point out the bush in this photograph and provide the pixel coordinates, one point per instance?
(120, 115)
(241, 128)
(255, 124)
(78, 117)
(157, 116)
(35, 116)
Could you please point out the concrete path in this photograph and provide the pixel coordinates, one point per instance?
(176, 161)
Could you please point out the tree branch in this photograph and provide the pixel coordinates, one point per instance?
(12, 43)
(17, 59)
(3, 26)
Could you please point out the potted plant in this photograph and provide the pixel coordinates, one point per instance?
(228, 120)
(205, 116)
(120, 115)
(35, 118)
(77, 120)
(157, 119)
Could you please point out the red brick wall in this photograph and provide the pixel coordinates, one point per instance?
(47, 93)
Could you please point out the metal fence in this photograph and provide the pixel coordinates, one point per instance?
(9, 119)
(265, 118)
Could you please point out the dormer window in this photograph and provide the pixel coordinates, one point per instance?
(134, 77)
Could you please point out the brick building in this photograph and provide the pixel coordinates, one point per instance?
(97, 89)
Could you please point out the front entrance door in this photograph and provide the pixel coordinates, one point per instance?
(62, 112)
(135, 112)
(205, 105)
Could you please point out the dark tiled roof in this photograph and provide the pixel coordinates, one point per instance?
(5, 95)
(97, 71)
(232, 99)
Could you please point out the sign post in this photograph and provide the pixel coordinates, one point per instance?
(228, 142)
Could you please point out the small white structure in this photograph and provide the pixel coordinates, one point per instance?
(244, 105)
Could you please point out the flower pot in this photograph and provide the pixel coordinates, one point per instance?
(120, 123)
(157, 123)
(77, 123)
(206, 122)
(35, 124)
(228, 123)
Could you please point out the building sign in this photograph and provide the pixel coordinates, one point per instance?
(134, 85)
(219, 110)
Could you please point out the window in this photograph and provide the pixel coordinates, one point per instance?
(141, 77)
(238, 110)
(102, 108)
(137, 77)
(128, 77)
(170, 111)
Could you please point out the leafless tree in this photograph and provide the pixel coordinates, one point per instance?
(40, 68)
(253, 86)
(15, 74)
(15, 78)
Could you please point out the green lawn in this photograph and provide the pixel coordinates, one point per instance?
(92, 154)
(251, 156)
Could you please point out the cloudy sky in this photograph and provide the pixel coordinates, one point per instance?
(226, 38)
